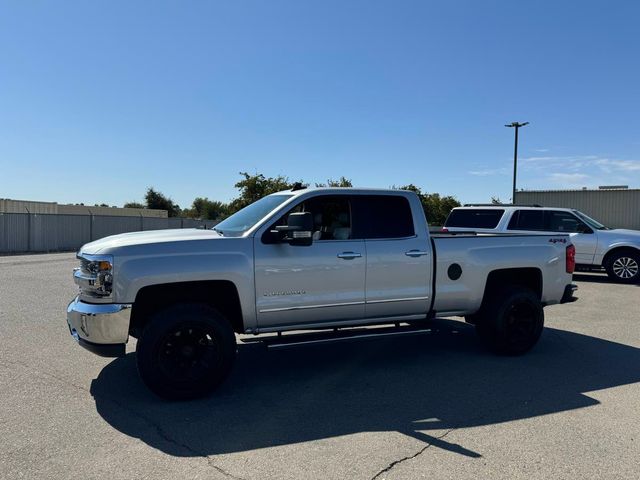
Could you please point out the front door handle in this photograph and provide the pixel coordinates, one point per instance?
(349, 255)
(416, 253)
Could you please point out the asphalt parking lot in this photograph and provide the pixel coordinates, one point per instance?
(430, 406)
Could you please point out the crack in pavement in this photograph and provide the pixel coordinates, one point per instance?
(167, 438)
(515, 404)
(156, 428)
(6, 363)
(393, 464)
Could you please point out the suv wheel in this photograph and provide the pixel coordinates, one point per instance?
(624, 267)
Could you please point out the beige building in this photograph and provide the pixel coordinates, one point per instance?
(8, 205)
(615, 206)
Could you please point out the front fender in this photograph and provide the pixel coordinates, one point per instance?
(148, 265)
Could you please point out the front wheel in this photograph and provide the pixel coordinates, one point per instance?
(512, 321)
(624, 267)
(185, 351)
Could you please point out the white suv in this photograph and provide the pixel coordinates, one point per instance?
(597, 246)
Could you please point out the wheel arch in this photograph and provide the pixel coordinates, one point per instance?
(220, 294)
(619, 249)
(529, 277)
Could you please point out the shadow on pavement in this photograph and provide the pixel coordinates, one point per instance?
(592, 277)
(598, 278)
(414, 385)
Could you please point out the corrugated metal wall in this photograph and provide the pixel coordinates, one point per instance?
(110, 211)
(14, 236)
(25, 206)
(105, 226)
(21, 232)
(614, 208)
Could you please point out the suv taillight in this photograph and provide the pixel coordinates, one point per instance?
(571, 259)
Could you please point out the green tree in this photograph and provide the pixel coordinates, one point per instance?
(206, 209)
(436, 208)
(341, 182)
(254, 187)
(133, 205)
(157, 200)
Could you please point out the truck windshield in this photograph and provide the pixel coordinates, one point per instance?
(241, 221)
(590, 221)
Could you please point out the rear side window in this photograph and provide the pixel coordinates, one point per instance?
(527, 220)
(474, 218)
(382, 216)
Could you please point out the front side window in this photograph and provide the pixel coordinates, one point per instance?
(558, 221)
(590, 221)
(331, 218)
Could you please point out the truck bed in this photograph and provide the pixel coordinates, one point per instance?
(463, 261)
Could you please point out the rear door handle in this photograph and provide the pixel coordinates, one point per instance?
(416, 253)
(349, 255)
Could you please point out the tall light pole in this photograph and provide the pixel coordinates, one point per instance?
(515, 125)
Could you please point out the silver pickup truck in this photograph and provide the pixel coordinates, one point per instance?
(330, 260)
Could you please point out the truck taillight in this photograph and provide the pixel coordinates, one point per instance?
(571, 259)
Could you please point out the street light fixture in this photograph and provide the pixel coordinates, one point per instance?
(515, 125)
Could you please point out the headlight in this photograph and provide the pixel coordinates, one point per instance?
(95, 275)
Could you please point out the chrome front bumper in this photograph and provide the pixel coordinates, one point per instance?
(100, 328)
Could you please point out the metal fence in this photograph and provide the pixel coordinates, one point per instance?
(37, 232)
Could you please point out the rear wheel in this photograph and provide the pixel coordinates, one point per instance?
(512, 321)
(624, 266)
(185, 351)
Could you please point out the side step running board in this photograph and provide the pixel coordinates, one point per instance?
(276, 342)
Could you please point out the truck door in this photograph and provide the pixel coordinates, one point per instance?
(398, 281)
(320, 283)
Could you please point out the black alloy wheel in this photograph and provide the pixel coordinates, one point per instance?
(511, 321)
(185, 351)
(188, 353)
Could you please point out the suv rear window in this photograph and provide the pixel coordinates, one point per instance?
(474, 218)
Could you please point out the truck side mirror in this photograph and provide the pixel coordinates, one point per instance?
(298, 230)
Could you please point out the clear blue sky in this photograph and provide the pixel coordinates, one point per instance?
(99, 100)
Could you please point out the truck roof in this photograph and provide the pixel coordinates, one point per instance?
(300, 191)
(510, 207)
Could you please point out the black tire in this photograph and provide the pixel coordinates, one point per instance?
(624, 266)
(511, 322)
(472, 319)
(185, 351)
